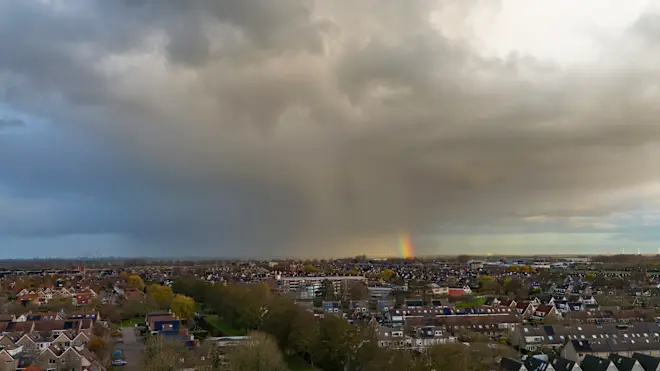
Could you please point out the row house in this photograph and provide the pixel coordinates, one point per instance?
(536, 337)
(420, 339)
(577, 350)
(55, 326)
(625, 316)
(491, 326)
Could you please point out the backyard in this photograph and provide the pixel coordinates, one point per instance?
(217, 322)
(132, 322)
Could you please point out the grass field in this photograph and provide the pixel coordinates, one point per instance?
(471, 304)
(132, 322)
(221, 325)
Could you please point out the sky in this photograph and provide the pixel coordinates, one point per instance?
(326, 128)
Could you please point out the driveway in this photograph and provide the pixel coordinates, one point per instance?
(131, 349)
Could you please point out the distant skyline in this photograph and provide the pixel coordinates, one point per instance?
(328, 128)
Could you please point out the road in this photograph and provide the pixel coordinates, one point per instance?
(131, 349)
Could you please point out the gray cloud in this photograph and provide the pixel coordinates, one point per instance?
(11, 123)
(289, 127)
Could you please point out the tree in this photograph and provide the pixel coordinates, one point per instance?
(162, 354)
(310, 269)
(387, 275)
(357, 290)
(184, 306)
(328, 290)
(259, 353)
(60, 303)
(160, 294)
(514, 268)
(512, 285)
(590, 276)
(132, 308)
(337, 344)
(100, 348)
(136, 282)
(488, 285)
(190, 286)
(95, 344)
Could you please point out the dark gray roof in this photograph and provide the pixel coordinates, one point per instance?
(535, 364)
(622, 363)
(649, 363)
(509, 364)
(593, 363)
(562, 364)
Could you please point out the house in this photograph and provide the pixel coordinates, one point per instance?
(459, 291)
(494, 326)
(31, 298)
(649, 363)
(392, 338)
(546, 311)
(331, 307)
(414, 303)
(430, 335)
(359, 305)
(94, 316)
(133, 294)
(536, 364)
(163, 323)
(57, 357)
(563, 364)
(626, 339)
(438, 290)
(625, 363)
(578, 349)
(510, 364)
(593, 363)
(45, 316)
(525, 309)
(7, 357)
(82, 298)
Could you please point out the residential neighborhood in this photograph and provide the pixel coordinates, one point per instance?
(530, 312)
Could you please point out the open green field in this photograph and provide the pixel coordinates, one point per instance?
(217, 322)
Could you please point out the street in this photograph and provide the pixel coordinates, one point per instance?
(131, 349)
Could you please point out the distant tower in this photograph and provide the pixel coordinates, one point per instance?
(638, 252)
(623, 251)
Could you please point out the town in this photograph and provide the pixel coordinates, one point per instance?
(461, 313)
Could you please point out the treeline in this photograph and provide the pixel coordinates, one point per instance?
(330, 343)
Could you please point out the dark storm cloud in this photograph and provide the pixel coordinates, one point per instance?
(247, 127)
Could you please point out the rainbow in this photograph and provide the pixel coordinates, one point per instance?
(406, 247)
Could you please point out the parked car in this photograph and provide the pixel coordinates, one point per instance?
(119, 362)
